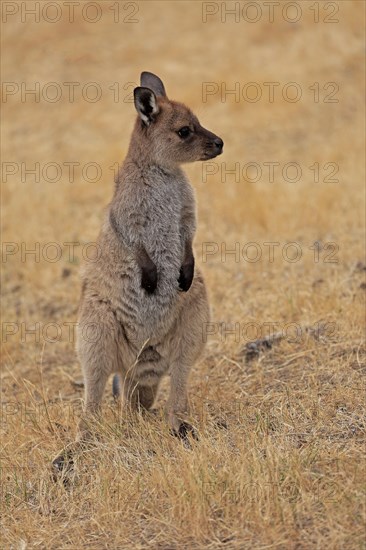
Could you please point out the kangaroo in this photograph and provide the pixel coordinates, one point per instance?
(144, 304)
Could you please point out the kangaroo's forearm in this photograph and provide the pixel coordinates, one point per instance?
(188, 229)
(186, 273)
(149, 274)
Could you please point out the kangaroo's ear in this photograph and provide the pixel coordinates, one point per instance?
(150, 80)
(146, 104)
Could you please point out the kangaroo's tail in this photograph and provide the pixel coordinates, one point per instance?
(116, 390)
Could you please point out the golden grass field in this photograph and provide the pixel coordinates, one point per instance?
(281, 458)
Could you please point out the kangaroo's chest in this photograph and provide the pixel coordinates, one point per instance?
(163, 223)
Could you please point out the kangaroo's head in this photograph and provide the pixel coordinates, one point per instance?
(171, 133)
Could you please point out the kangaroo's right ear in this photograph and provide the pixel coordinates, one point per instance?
(146, 104)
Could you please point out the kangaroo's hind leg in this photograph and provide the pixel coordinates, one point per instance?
(185, 345)
(97, 348)
(98, 351)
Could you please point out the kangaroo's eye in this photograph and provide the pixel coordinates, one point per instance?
(184, 132)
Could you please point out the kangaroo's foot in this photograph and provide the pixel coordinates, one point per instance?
(184, 430)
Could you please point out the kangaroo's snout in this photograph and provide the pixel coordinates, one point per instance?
(216, 147)
(213, 145)
(219, 145)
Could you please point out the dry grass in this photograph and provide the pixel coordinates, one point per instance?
(280, 461)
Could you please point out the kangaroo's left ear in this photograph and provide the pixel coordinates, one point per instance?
(146, 104)
(153, 82)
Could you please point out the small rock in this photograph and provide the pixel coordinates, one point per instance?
(360, 266)
(66, 272)
(78, 383)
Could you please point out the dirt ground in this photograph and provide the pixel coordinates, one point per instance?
(280, 460)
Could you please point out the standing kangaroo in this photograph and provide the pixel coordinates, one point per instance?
(144, 305)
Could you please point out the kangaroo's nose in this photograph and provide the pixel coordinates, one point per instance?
(218, 143)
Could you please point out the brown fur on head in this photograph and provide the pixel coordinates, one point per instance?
(171, 132)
